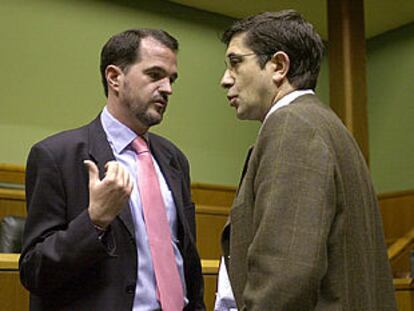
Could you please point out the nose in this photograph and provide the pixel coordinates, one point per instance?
(166, 86)
(227, 80)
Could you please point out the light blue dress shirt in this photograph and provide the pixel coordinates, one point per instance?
(120, 138)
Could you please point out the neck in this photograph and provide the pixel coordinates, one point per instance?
(122, 115)
(281, 92)
(285, 89)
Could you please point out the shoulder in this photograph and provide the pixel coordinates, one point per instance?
(306, 113)
(287, 123)
(61, 138)
(294, 132)
(66, 142)
(164, 145)
(164, 150)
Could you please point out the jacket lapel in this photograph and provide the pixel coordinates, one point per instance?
(225, 235)
(100, 152)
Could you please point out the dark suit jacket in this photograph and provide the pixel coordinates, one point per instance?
(306, 233)
(64, 263)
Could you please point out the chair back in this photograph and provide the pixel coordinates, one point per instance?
(11, 234)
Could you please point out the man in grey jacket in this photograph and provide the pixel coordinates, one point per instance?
(305, 232)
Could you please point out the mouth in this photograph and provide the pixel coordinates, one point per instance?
(232, 100)
(160, 103)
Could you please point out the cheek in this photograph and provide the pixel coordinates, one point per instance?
(250, 88)
(148, 90)
(244, 83)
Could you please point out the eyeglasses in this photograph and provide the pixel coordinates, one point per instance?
(233, 60)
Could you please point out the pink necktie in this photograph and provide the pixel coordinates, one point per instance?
(168, 280)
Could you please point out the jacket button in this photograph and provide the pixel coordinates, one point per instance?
(130, 289)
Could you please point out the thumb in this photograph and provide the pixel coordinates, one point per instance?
(93, 171)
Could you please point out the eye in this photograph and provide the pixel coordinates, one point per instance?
(154, 75)
(173, 78)
(234, 61)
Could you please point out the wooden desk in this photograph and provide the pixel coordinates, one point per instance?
(13, 296)
(404, 292)
(9, 261)
(12, 202)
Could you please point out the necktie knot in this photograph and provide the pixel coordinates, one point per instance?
(140, 145)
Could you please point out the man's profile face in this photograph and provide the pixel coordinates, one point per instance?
(146, 84)
(250, 89)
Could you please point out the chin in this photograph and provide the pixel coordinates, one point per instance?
(154, 119)
(245, 116)
(149, 119)
(241, 115)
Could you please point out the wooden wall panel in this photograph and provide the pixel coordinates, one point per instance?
(213, 195)
(213, 204)
(12, 173)
(397, 209)
(12, 202)
(209, 227)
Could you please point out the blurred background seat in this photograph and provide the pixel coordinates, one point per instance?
(11, 234)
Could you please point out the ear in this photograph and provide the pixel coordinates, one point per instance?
(113, 75)
(281, 64)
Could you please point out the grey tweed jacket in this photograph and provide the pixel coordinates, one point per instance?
(305, 232)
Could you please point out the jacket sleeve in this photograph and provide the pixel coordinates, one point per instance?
(56, 250)
(292, 215)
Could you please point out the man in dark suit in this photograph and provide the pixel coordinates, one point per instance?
(86, 242)
(305, 231)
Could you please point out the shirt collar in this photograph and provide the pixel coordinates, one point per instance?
(119, 135)
(286, 100)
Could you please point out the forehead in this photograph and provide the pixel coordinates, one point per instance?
(153, 51)
(237, 45)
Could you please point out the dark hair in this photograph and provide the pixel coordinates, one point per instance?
(285, 31)
(122, 49)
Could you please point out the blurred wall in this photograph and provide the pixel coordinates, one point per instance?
(50, 81)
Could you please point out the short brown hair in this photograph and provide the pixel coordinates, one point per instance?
(285, 31)
(122, 49)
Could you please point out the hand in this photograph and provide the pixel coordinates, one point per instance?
(107, 196)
